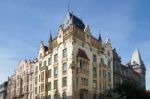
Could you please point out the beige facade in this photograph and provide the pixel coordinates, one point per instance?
(74, 65)
(20, 85)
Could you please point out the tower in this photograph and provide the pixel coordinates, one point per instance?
(137, 63)
(139, 67)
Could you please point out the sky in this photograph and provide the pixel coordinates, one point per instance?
(24, 23)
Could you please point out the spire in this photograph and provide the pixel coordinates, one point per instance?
(99, 38)
(50, 37)
(108, 41)
(136, 58)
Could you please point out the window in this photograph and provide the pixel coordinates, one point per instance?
(42, 76)
(36, 69)
(94, 58)
(55, 84)
(94, 84)
(94, 71)
(30, 87)
(64, 81)
(40, 65)
(94, 96)
(65, 52)
(39, 89)
(55, 96)
(104, 73)
(36, 80)
(42, 87)
(55, 58)
(49, 86)
(109, 76)
(49, 97)
(55, 71)
(35, 90)
(44, 63)
(64, 95)
(49, 73)
(109, 64)
(102, 61)
(81, 65)
(64, 66)
(49, 61)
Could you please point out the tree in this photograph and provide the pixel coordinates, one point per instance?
(127, 90)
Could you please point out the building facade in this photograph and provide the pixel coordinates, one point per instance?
(74, 65)
(20, 85)
(3, 90)
(133, 71)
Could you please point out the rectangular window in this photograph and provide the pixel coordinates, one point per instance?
(102, 61)
(65, 52)
(109, 64)
(94, 58)
(30, 87)
(64, 81)
(49, 73)
(39, 89)
(40, 65)
(104, 73)
(64, 67)
(49, 97)
(42, 87)
(55, 84)
(35, 90)
(94, 84)
(94, 72)
(55, 71)
(36, 80)
(49, 61)
(109, 76)
(36, 69)
(44, 63)
(55, 57)
(49, 86)
(42, 76)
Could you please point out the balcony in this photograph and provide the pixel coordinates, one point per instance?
(83, 71)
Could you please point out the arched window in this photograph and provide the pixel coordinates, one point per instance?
(64, 95)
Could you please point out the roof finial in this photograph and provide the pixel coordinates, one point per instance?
(99, 37)
(68, 8)
(50, 36)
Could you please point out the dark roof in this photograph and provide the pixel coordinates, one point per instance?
(46, 48)
(82, 54)
(72, 19)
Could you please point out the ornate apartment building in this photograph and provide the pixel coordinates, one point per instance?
(133, 71)
(20, 85)
(74, 65)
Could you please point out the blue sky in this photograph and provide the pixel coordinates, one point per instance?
(24, 23)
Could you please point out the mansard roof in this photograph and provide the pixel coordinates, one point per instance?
(82, 54)
(72, 19)
(136, 58)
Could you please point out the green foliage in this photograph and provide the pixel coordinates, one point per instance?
(127, 90)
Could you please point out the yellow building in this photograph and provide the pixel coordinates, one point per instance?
(75, 65)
